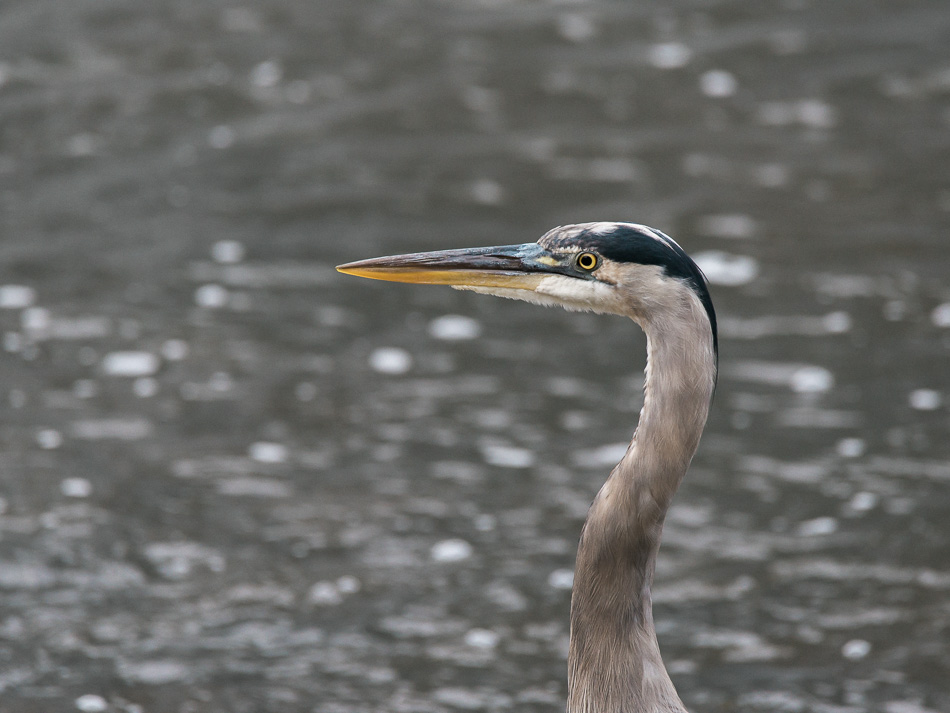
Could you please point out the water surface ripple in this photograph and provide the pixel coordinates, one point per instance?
(233, 480)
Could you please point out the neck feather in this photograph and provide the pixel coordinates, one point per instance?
(614, 662)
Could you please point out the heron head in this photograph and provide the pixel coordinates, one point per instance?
(615, 268)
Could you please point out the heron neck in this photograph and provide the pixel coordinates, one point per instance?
(614, 662)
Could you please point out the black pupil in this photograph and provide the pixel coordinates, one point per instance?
(587, 261)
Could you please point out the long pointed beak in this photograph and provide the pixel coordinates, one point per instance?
(511, 266)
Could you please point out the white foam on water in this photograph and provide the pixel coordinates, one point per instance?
(925, 399)
(454, 328)
(851, 447)
(145, 387)
(561, 579)
(130, 363)
(175, 349)
(75, 488)
(227, 252)
(669, 55)
(122, 429)
(487, 191)
(453, 550)
(818, 526)
(49, 439)
(267, 452)
(508, 456)
(811, 380)
(723, 268)
(390, 360)
(16, 296)
(211, 296)
(324, 594)
(91, 703)
(718, 83)
(482, 638)
(856, 649)
(941, 315)
(267, 73)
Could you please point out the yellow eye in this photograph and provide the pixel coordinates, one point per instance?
(586, 261)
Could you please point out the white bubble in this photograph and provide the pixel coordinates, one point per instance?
(724, 269)
(811, 380)
(856, 649)
(91, 703)
(453, 550)
(85, 388)
(155, 673)
(925, 399)
(76, 488)
(941, 315)
(175, 349)
(390, 360)
(49, 438)
(130, 363)
(465, 699)
(211, 296)
(454, 327)
(221, 382)
(508, 456)
(485, 522)
(486, 191)
(267, 74)
(16, 296)
(145, 387)
(836, 322)
(227, 251)
(816, 114)
(266, 452)
(481, 638)
(863, 501)
(12, 342)
(221, 137)
(576, 27)
(348, 584)
(718, 83)
(851, 447)
(670, 55)
(561, 579)
(818, 526)
(35, 319)
(324, 594)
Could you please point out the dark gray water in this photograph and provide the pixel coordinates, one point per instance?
(234, 480)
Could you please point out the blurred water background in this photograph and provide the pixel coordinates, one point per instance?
(234, 480)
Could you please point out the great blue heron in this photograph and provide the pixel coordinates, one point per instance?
(614, 664)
